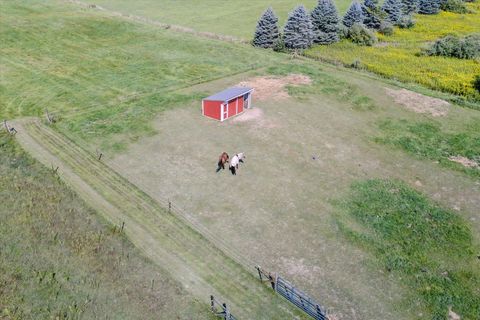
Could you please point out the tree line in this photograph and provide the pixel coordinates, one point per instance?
(325, 26)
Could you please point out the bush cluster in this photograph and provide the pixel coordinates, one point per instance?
(453, 46)
(457, 6)
(361, 35)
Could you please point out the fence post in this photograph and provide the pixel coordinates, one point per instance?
(212, 303)
(169, 206)
(259, 272)
(225, 309)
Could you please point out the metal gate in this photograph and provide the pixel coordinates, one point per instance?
(295, 296)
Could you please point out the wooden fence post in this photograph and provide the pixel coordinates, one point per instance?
(259, 272)
(212, 303)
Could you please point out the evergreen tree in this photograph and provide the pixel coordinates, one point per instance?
(393, 10)
(371, 14)
(266, 33)
(429, 6)
(298, 31)
(353, 15)
(325, 22)
(409, 6)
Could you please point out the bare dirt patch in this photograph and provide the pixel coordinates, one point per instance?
(255, 116)
(419, 103)
(274, 87)
(464, 161)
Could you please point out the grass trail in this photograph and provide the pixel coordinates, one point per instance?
(191, 259)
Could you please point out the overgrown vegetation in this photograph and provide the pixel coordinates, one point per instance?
(429, 140)
(458, 47)
(59, 260)
(457, 6)
(399, 56)
(429, 248)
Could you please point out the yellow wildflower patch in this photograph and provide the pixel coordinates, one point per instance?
(400, 56)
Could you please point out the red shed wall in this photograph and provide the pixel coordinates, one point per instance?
(232, 108)
(240, 104)
(212, 109)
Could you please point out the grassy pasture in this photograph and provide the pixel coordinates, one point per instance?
(396, 56)
(108, 79)
(280, 210)
(103, 76)
(237, 17)
(429, 245)
(60, 260)
(399, 56)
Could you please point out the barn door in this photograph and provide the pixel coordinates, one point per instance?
(224, 111)
(246, 101)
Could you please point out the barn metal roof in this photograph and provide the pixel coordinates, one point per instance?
(229, 94)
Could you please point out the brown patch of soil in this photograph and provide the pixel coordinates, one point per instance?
(419, 103)
(274, 87)
(256, 116)
(464, 161)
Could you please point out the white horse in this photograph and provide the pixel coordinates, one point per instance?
(235, 161)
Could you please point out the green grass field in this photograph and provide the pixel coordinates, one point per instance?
(236, 18)
(106, 76)
(60, 260)
(133, 90)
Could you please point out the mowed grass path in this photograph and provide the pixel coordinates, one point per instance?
(399, 56)
(237, 18)
(103, 75)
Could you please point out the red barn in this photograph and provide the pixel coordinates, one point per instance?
(227, 103)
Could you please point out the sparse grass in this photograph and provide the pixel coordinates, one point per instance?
(59, 260)
(399, 56)
(324, 83)
(427, 139)
(428, 247)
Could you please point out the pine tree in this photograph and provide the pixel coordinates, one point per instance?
(353, 15)
(325, 22)
(429, 6)
(371, 14)
(393, 10)
(409, 6)
(266, 33)
(298, 31)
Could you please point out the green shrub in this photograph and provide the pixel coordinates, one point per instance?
(361, 35)
(453, 46)
(343, 31)
(406, 22)
(457, 6)
(386, 28)
(476, 83)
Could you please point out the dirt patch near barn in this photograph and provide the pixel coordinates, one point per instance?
(255, 116)
(419, 103)
(275, 87)
(464, 161)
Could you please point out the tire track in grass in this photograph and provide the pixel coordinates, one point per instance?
(165, 238)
